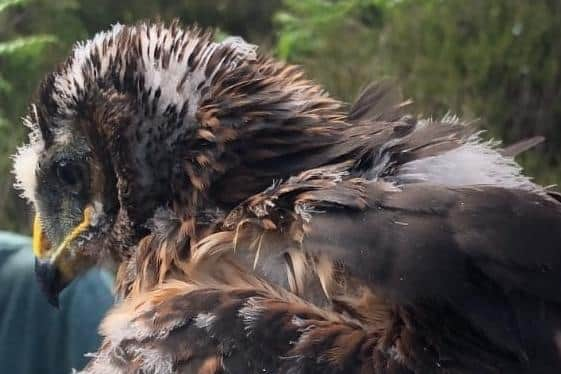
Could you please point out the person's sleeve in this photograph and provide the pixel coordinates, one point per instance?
(34, 336)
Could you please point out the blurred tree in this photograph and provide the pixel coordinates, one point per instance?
(496, 60)
(333, 40)
(20, 57)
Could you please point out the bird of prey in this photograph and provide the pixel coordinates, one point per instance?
(257, 225)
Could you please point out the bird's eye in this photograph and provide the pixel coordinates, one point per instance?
(68, 173)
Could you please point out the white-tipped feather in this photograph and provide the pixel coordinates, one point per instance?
(26, 158)
(474, 163)
(155, 75)
(72, 83)
(205, 320)
(251, 313)
(25, 162)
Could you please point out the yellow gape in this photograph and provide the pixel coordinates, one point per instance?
(40, 244)
(39, 241)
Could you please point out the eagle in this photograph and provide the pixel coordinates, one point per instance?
(255, 224)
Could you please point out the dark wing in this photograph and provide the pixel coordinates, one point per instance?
(470, 273)
(378, 102)
(417, 279)
(521, 146)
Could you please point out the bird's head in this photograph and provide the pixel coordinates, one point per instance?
(67, 171)
(149, 118)
(74, 203)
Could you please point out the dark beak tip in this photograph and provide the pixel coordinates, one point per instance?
(50, 280)
(54, 301)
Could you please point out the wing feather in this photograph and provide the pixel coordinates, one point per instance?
(185, 328)
(470, 264)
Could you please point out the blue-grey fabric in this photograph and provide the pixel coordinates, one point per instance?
(34, 336)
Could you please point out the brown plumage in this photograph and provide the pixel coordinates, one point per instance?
(255, 224)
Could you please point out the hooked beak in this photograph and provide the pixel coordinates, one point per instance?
(55, 269)
(50, 280)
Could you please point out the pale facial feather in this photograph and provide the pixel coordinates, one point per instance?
(25, 163)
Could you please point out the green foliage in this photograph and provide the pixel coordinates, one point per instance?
(21, 49)
(5, 4)
(17, 57)
(332, 40)
(498, 60)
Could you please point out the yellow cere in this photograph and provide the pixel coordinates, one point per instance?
(39, 240)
